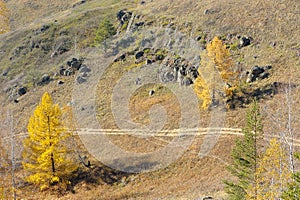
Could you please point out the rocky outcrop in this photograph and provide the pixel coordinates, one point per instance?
(124, 16)
(129, 22)
(120, 57)
(258, 73)
(45, 79)
(73, 65)
(84, 72)
(245, 41)
(178, 70)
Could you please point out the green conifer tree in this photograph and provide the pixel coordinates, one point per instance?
(245, 156)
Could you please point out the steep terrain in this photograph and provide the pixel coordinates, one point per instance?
(38, 55)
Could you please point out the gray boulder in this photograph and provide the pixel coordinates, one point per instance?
(44, 80)
(258, 73)
(139, 55)
(84, 69)
(80, 79)
(244, 41)
(186, 81)
(120, 57)
(75, 63)
(22, 91)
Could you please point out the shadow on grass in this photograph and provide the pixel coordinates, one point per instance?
(97, 174)
(246, 96)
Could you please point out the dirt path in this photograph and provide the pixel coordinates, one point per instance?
(165, 133)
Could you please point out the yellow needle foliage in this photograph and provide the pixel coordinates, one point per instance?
(217, 74)
(221, 57)
(4, 18)
(272, 174)
(202, 91)
(45, 152)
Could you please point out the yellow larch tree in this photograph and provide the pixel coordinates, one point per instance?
(217, 79)
(202, 91)
(273, 174)
(45, 154)
(4, 18)
(204, 83)
(220, 56)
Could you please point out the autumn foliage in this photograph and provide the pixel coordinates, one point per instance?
(45, 155)
(217, 79)
(273, 174)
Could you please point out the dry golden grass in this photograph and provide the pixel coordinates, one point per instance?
(190, 177)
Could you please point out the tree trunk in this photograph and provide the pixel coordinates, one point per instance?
(51, 155)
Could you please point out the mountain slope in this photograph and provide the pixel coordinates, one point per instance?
(47, 34)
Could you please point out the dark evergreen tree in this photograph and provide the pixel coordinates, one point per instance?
(245, 156)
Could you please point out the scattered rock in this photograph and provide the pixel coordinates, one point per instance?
(192, 72)
(160, 57)
(151, 93)
(22, 91)
(80, 79)
(60, 82)
(120, 57)
(167, 74)
(182, 70)
(258, 73)
(138, 81)
(68, 72)
(268, 67)
(148, 62)
(139, 54)
(44, 80)
(244, 41)
(256, 70)
(84, 69)
(142, 2)
(123, 16)
(264, 75)
(62, 70)
(186, 81)
(199, 38)
(75, 63)
(84, 74)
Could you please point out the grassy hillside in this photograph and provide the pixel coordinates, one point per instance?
(45, 35)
